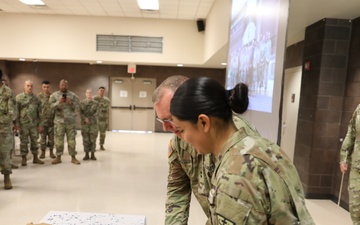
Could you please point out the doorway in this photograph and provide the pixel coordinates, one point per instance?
(291, 97)
(131, 105)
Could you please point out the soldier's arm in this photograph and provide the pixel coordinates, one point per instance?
(18, 110)
(40, 115)
(13, 110)
(349, 141)
(178, 192)
(76, 103)
(96, 108)
(53, 102)
(82, 108)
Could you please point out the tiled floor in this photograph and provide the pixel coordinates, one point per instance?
(129, 177)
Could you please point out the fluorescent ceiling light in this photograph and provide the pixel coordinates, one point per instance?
(180, 65)
(32, 2)
(148, 4)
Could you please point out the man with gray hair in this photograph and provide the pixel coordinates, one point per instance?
(185, 164)
(7, 116)
(28, 122)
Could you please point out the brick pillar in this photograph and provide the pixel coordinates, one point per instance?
(326, 48)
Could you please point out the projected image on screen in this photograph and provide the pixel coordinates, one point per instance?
(252, 49)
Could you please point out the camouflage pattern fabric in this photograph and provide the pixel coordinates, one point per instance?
(89, 131)
(103, 116)
(254, 182)
(47, 116)
(190, 172)
(350, 154)
(26, 133)
(184, 168)
(28, 106)
(65, 121)
(8, 114)
(208, 160)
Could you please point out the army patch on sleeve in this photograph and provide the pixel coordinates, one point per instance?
(170, 149)
(223, 221)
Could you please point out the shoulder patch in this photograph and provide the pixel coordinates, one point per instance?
(223, 221)
(170, 149)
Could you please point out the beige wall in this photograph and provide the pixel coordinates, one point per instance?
(217, 28)
(73, 38)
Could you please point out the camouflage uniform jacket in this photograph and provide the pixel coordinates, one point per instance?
(104, 104)
(47, 113)
(89, 109)
(28, 106)
(351, 145)
(8, 110)
(254, 182)
(190, 172)
(185, 165)
(64, 113)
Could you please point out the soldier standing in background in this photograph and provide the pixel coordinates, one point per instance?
(47, 116)
(89, 127)
(15, 132)
(66, 105)
(28, 122)
(7, 116)
(349, 154)
(103, 117)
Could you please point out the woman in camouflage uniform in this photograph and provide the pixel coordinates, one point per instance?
(89, 127)
(253, 182)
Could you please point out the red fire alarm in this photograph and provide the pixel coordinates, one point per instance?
(307, 66)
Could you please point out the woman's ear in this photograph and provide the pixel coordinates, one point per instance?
(204, 122)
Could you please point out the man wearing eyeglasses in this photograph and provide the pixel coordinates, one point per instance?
(184, 161)
(188, 170)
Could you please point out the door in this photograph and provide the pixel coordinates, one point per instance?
(291, 97)
(131, 105)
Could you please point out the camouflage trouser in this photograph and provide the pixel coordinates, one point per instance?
(6, 144)
(26, 133)
(89, 135)
(47, 137)
(60, 130)
(354, 196)
(103, 125)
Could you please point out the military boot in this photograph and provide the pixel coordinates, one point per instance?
(86, 156)
(13, 166)
(52, 155)
(23, 160)
(57, 160)
(7, 181)
(102, 147)
(36, 160)
(93, 156)
(42, 155)
(74, 160)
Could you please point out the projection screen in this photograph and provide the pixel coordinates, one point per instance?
(257, 43)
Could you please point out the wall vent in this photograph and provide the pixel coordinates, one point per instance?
(121, 43)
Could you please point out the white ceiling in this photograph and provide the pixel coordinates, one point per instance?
(302, 13)
(169, 9)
